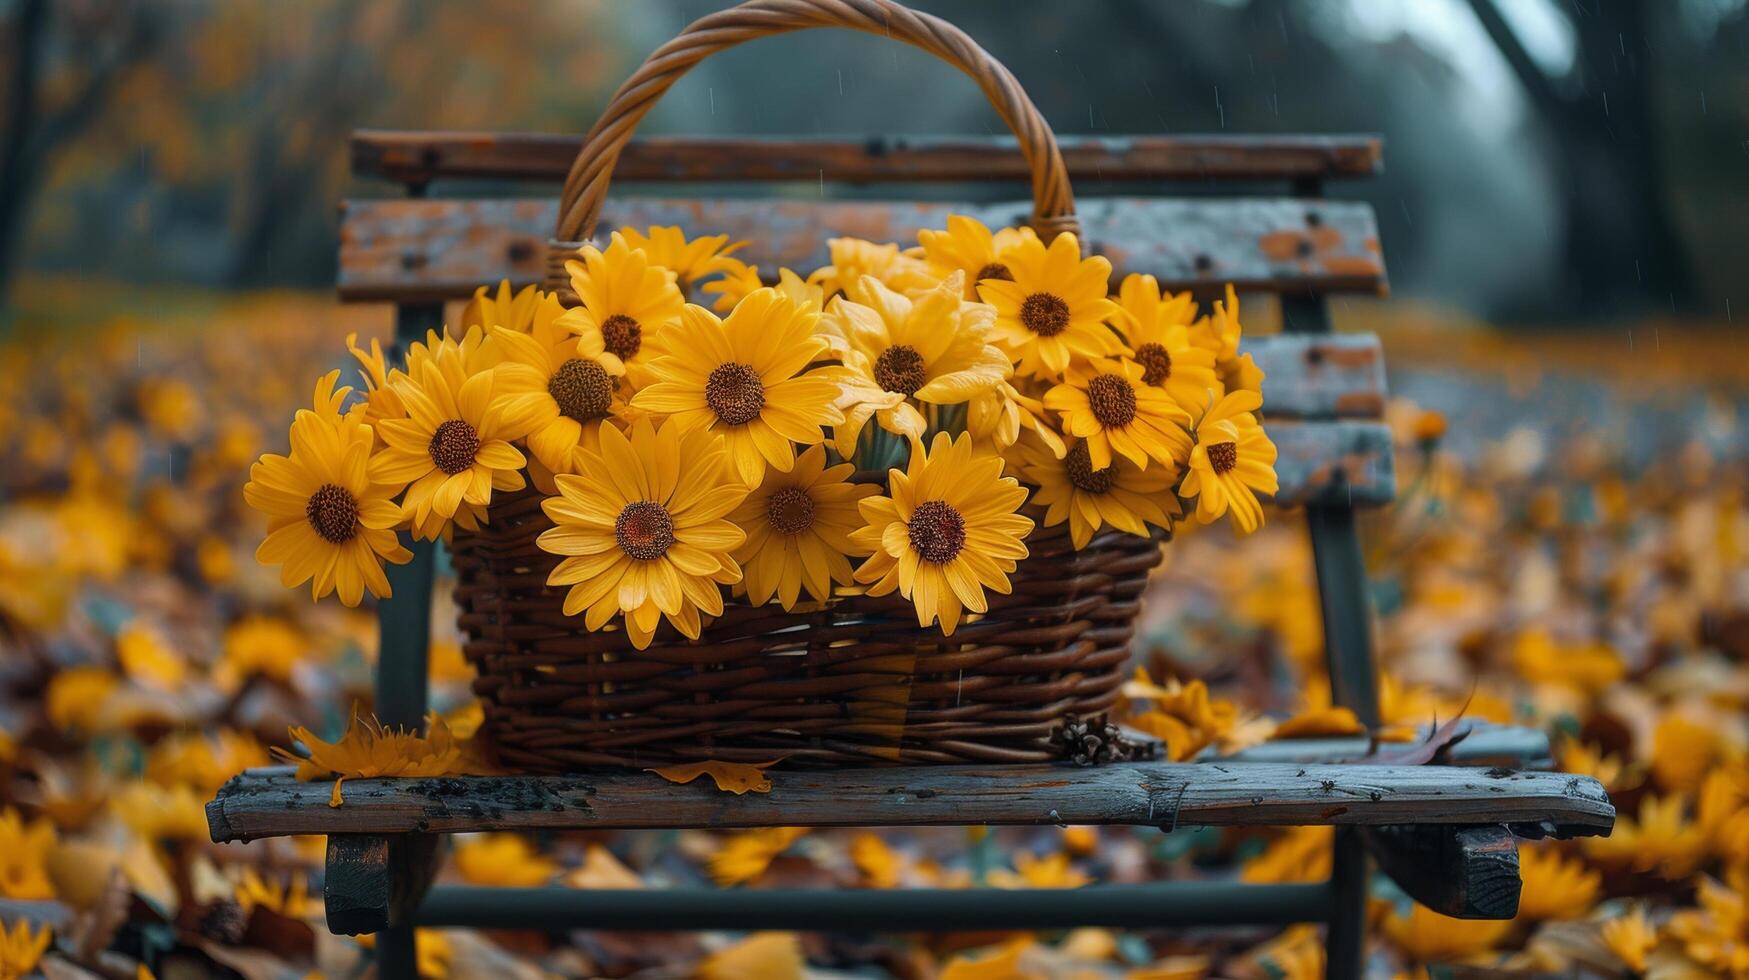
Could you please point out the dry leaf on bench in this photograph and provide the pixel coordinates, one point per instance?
(730, 777)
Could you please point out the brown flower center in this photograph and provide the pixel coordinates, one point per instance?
(1044, 314)
(735, 393)
(622, 336)
(790, 510)
(1156, 363)
(583, 389)
(1223, 456)
(1079, 467)
(900, 369)
(1112, 399)
(938, 532)
(333, 512)
(454, 446)
(994, 270)
(644, 530)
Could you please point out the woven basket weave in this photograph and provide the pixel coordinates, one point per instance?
(853, 681)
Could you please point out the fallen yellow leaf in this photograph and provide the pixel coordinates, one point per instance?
(730, 777)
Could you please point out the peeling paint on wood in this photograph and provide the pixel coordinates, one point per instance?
(420, 250)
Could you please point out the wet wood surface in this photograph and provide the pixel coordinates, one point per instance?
(423, 250)
(270, 803)
(1463, 872)
(418, 157)
(1341, 462)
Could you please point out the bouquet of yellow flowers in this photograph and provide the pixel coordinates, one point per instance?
(681, 449)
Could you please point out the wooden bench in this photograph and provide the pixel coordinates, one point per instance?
(1446, 834)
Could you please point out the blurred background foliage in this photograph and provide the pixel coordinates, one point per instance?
(1567, 161)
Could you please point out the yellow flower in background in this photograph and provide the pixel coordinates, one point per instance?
(1219, 332)
(949, 530)
(1555, 887)
(77, 697)
(996, 418)
(502, 861)
(161, 813)
(969, 247)
(1183, 715)
(1716, 934)
(24, 847)
(733, 287)
(1683, 751)
(328, 523)
(1296, 954)
(1587, 668)
(745, 856)
(798, 527)
(1630, 937)
(934, 349)
(252, 890)
(557, 387)
(642, 530)
(453, 446)
(268, 646)
(747, 378)
(1106, 403)
(1119, 496)
(1588, 760)
(1054, 309)
(146, 658)
(760, 956)
(380, 402)
(689, 261)
(1232, 463)
(204, 760)
(21, 948)
(1425, 936)
(853, 258)
(1032, 871)
(1661, 841)
(1157, 326)
(626, 302)
(1293, 854)
(501, 308)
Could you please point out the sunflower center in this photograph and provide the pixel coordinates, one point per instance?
(790, 510)
(1156, 363)
(333, 512)
(1078, 465)
(1223, 456)
(900, 369)
(644, 530)
(994, 270)
(622, 336)
(454, 446)
(1112, 399)
(1044, 314)
(735, 393)
(938, 532)
(582, 389)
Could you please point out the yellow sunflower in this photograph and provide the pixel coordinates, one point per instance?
(1157, 326)
(1218, 332)
(949, 530)
(1121, 495)
(732, 289)
(453, 446)
(969, 247)
(328, 523)
(1106, 403)
(1232, 463)
(1054, 308)
(514, 311)
(934, 349)
(642, 529)
(746, 377)
(798, 528)
(853, 258)
(996, 417)
(380, 402)
(556, 386)
(627, 301)
(690, 261)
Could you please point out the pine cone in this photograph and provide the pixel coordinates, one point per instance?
(1096, 741)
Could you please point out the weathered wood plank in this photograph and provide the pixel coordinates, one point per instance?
(418, 157)
(1463, 872)
(1510, 746)
(373, 882)
(271, 803)
(1343, 462)
(1320, 375)
(421, 250)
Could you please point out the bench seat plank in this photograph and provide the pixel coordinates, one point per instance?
(414, 157)
(425, 250)
(1344, 462)
(270, 803)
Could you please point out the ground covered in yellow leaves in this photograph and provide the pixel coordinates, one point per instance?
(1570, 550)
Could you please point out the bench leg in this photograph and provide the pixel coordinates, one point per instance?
(397, 956)
(1345, 936)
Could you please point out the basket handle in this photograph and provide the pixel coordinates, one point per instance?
(586, 185)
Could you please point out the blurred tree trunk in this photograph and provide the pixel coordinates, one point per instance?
(1621, 250)
(33, 131)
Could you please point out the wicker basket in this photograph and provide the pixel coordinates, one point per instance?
(848, 682)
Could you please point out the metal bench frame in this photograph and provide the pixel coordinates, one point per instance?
(377, 881)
